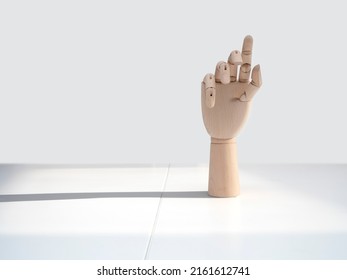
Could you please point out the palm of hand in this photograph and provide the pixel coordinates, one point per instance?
(226, 96)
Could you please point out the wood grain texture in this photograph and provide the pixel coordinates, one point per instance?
(226, 118)
(223, 172)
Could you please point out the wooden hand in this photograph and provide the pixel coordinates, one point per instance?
(225, 100)
(226, 97)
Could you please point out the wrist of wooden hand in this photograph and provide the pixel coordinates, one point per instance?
(223, 141)
(223, 172)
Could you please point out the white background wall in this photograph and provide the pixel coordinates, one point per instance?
(119, 81)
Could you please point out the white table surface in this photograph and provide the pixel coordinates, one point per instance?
(164, 212)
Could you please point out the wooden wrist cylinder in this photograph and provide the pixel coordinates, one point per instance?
(223, 172)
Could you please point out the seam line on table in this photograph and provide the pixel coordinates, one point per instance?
(157, 214)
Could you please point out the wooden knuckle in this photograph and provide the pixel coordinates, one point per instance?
(209, 81)
(222, 72)
(210, 97)
(235, 58)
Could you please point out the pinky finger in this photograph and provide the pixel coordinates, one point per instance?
(209, 88)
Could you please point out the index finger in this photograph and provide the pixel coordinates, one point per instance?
(247, 50)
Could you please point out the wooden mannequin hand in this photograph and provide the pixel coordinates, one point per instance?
(226, 96)
(225, 100)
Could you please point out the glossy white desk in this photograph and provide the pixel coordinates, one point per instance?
(163, 212)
